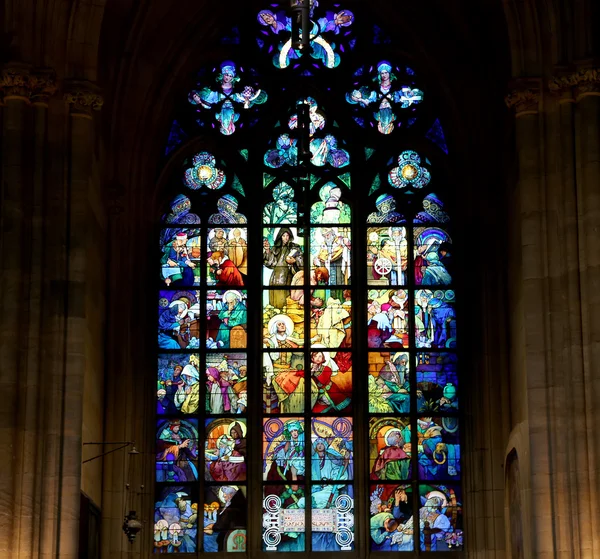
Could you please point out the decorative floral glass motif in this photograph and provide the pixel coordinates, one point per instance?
(276, 32)
(386, 211)
(330, 209)
(180, 212)
(409, 172)
(229, 95)
(385, 97)
(324, 151)
(227, 212)
(204, 173)
(283, 210)
(433, 211)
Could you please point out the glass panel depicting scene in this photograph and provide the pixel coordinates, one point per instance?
(178, 320)
(178, 389)
(330, 210)
(435, 318)
(330, 256)
(283, 209)
(385, 205)
(389, 382)
(226, 383)
(227, 257)
(283, 517)
(387, 255)
(283, 318)
(437, 382)
(180, 256)
(332, 517)
(391, 517)
(225, 450)
(225, 519)
(283, 256)
(177, 450)
(433, 256)
(387, 318)
(390, 448)
(283, 449)
(283, 382)
(331, 318)
(332, 454)
(440, 517)
(331, 380)
(439, 448)
(176, 519)
(433, 211)
(226, 319)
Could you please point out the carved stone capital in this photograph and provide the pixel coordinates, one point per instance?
(19, 81)
(83, 98)
(14, 82)
(524, 97)
(42, 85)
(575, 85)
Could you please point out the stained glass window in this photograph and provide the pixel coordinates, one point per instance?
(307, 370)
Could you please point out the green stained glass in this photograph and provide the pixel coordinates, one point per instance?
(335, 124)
(368, 153)
(345, 178)
(244, 154)
(376, 185)
(237, 185)
(267, 179)
(314, 179)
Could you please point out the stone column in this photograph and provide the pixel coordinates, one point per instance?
(14, 86)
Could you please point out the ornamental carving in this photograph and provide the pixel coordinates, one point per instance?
(84, 100)
(582, 82)
(524, 101)
(19, 81)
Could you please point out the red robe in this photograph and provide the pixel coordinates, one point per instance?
(230, 276)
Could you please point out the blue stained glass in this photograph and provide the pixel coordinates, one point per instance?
(391, 517)
(176, 137)
(177, 450)
(440, 517)
(437, 136)
(175, 520)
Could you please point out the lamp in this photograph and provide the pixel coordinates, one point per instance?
(301, 25)
(131, 526)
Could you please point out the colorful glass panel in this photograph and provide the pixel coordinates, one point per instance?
(391, 523)
(386, 210)
(330, 255)
(226, 319)
(176, 519)
(331, 319)
(284, 449)
(178, 389)
(332, 517)
(180, 256)
(435, 318)
(225, 450)
(283, 517)
(387, 318)
(227, 257)
(387, 255)
(177, 450)
(178, 320)
(204, 172)
(227, 212)
(332, 453)
(389, 382)
(236, 92)
(283, 210)
(437, 382)
(283, 318)
(433, 256)
(283, 257)
(283, 382)
(226, 383)
(440, 517)
(390, 448)
(331, 384)
(327, 30)
(433, 211)
(330, 210)
(410, 172)
(439, 448)
(180, 212)
(225, 519)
